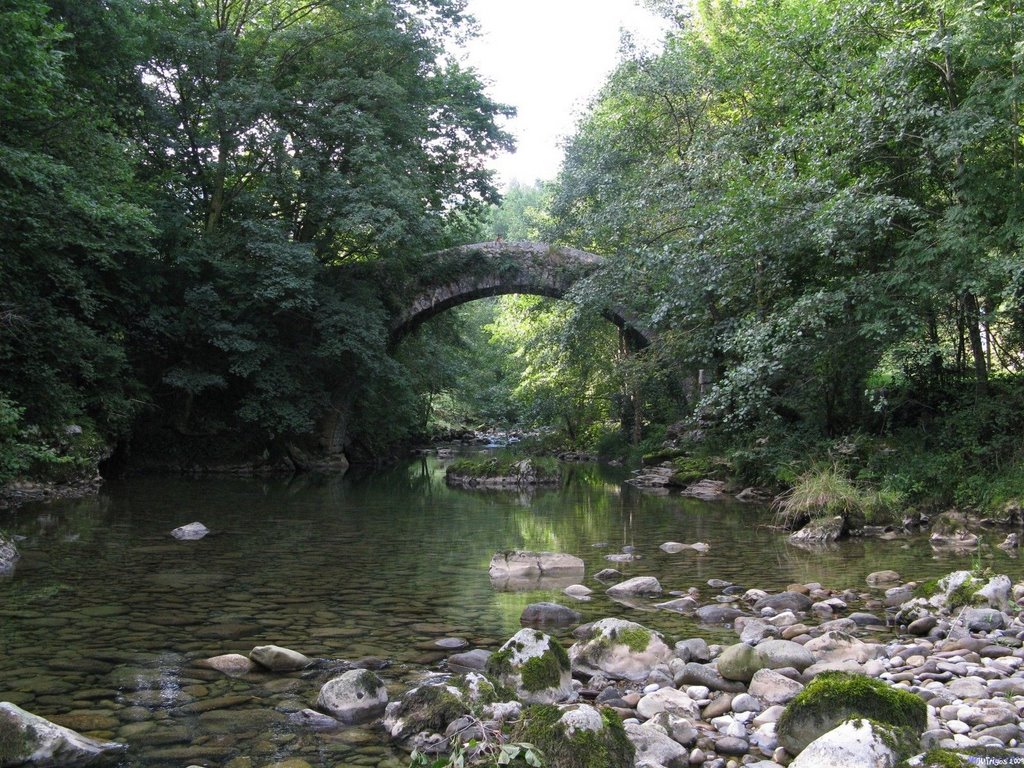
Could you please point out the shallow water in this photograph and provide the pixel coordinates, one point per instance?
(105, 613)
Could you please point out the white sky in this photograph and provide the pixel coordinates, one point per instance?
(547, 58)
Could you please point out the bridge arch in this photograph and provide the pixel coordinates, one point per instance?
(497, 268)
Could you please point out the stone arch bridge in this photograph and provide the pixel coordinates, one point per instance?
(469, 272)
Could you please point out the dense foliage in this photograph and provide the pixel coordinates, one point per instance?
(189, 190)
(818, 205)
(212, 207)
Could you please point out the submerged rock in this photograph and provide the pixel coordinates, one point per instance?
(539, 614)
(27, 739)
(278, 659)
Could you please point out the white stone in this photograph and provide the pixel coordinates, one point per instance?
(357, 696)
(582, 718)
(44, 744)
(655, 746)
(852, 744)
(278, 659)
(190, 532)
(669, 700)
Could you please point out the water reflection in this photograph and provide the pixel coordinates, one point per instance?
(105, 615)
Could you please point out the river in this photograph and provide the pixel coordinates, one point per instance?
(105, 614)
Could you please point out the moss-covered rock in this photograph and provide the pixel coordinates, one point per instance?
(619, 649)
(426, 709)
(535, 666)
(576, 737)
(833, 697)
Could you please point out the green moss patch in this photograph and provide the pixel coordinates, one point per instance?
(429, 708)
(608, 748)
(834, 697)
(635, 638)
(545, 671)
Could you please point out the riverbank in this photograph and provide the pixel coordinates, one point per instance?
(955, 652)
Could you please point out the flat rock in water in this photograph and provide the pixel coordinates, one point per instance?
(638, 585)
(608, 574)
(278, 659)
(672, 547)
(878, 578)
(231, 664)
(784, 601)
(190, 532)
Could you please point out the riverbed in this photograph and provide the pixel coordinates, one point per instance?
(105, 615)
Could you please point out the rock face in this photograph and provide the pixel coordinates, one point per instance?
(278, 659)
(535, 666)
(27, 739)
(619, 649)
(853, 744)
(190, 532)
(8, 553)
(358, 696)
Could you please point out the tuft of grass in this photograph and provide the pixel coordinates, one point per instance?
(826, 491)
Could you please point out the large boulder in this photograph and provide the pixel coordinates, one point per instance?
(833, 697)
(535, 666)
(619, 649)
(27, 739)
(523, 563)
(852, 744)
(278, 659)
(8, 553)
(357, 696)
(516, 570)
(424, 714)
